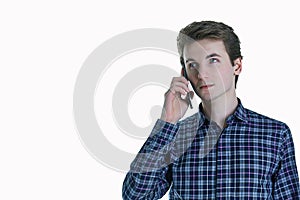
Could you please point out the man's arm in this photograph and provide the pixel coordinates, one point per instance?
(287, 181)
(149, 175)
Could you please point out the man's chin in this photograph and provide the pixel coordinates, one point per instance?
(205, 97)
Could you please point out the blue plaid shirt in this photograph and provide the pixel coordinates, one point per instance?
(253, 157)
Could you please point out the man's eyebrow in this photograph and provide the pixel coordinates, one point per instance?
(212, 55)
(189, 59)
(208, 56)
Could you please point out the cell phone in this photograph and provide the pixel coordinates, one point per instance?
(185, 76)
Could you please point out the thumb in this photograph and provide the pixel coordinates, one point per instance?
(192, 94)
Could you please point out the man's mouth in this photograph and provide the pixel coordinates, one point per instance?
(206, 86)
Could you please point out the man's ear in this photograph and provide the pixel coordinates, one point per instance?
(182, 66)
(237, 66)
(182, 71)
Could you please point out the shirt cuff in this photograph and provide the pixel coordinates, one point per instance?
(164, 130)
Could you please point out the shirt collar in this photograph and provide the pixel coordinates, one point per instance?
(240, 113)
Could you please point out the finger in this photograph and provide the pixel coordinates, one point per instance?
(187, 99)
(180, 79)
(181, 85)
(192, 94)
(170, 90)
(176, 92)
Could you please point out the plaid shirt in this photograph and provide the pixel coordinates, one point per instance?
(253, 157)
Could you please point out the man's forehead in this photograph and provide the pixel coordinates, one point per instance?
(204, 47)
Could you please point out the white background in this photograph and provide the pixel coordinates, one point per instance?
(43, 45)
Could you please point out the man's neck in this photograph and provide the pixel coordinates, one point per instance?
(218, 110)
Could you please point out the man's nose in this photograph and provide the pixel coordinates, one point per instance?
(202, 72)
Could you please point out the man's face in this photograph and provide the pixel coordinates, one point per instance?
(209, 69)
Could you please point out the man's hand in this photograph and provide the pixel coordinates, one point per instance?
(175, 106)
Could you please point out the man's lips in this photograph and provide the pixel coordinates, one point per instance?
(206, 86)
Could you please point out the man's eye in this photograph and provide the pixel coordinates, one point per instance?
(193, 65)
(213, 60)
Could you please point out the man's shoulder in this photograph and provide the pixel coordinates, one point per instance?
(256, 118)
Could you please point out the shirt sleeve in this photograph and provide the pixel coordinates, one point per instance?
(286, 184)
(148, 177)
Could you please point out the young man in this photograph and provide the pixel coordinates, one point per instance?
(224, 151)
